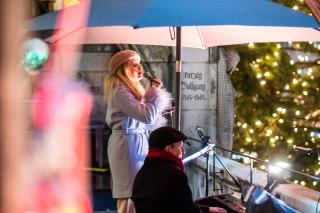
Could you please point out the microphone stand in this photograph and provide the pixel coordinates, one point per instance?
(210, 147)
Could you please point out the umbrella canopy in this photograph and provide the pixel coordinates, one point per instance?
(205, 23)
(195, 37)
(234, 21)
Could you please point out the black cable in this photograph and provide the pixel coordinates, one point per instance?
(172, 33)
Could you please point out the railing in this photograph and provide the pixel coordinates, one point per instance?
(269, 164)
(212, 147)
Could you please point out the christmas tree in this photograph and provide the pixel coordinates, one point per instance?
(278, 103)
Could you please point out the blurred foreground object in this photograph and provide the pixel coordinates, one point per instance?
(54, 170)
(36, 52)
(55, 173)
(13, 135)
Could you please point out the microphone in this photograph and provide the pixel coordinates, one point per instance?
(200, 133)
(304, 150)
(202, 136)
(152, 78)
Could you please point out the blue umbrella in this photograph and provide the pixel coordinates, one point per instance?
(157, 13)
(258, 17)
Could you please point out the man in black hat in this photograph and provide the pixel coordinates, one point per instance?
(161, 186)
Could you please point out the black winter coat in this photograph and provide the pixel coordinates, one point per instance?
(162, 187)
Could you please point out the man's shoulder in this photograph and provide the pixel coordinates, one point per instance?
(160, 163)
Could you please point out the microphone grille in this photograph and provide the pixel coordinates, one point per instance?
(147, 75)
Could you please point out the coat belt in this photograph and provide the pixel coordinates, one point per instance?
(129, 131)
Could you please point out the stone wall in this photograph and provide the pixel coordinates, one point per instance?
(198, 80)
(206, 90)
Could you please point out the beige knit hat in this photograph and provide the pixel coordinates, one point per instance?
(120, 58)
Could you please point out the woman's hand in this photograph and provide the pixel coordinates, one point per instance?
(156, 82)
(217, 210)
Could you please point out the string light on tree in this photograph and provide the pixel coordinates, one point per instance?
(278, 91)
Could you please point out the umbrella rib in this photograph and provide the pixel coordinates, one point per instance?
(64, 36)
(201, 39)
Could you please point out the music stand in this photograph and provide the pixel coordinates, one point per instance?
(209, 146)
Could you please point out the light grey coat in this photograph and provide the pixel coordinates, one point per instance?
(128, 144)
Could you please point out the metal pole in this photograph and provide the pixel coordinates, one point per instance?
(251, 168)
(268, 175)
(207, 175)
(178, 80)
(214, 171)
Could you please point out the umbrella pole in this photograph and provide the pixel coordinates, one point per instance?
(178, 80)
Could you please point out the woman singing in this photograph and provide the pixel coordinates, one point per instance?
(131, 112)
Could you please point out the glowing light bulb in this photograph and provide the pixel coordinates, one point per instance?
(251, 45)
(298, 112)
(292, 62)
(269, 132)
(277, 168)
(267, 74)
(295, 81)
(304, 84)
(281, 121)
(295, 7)
(287, 87)
(263, 82)
(301, 58)
(258, 123)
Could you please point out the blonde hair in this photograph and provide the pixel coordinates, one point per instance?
(113, 80)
